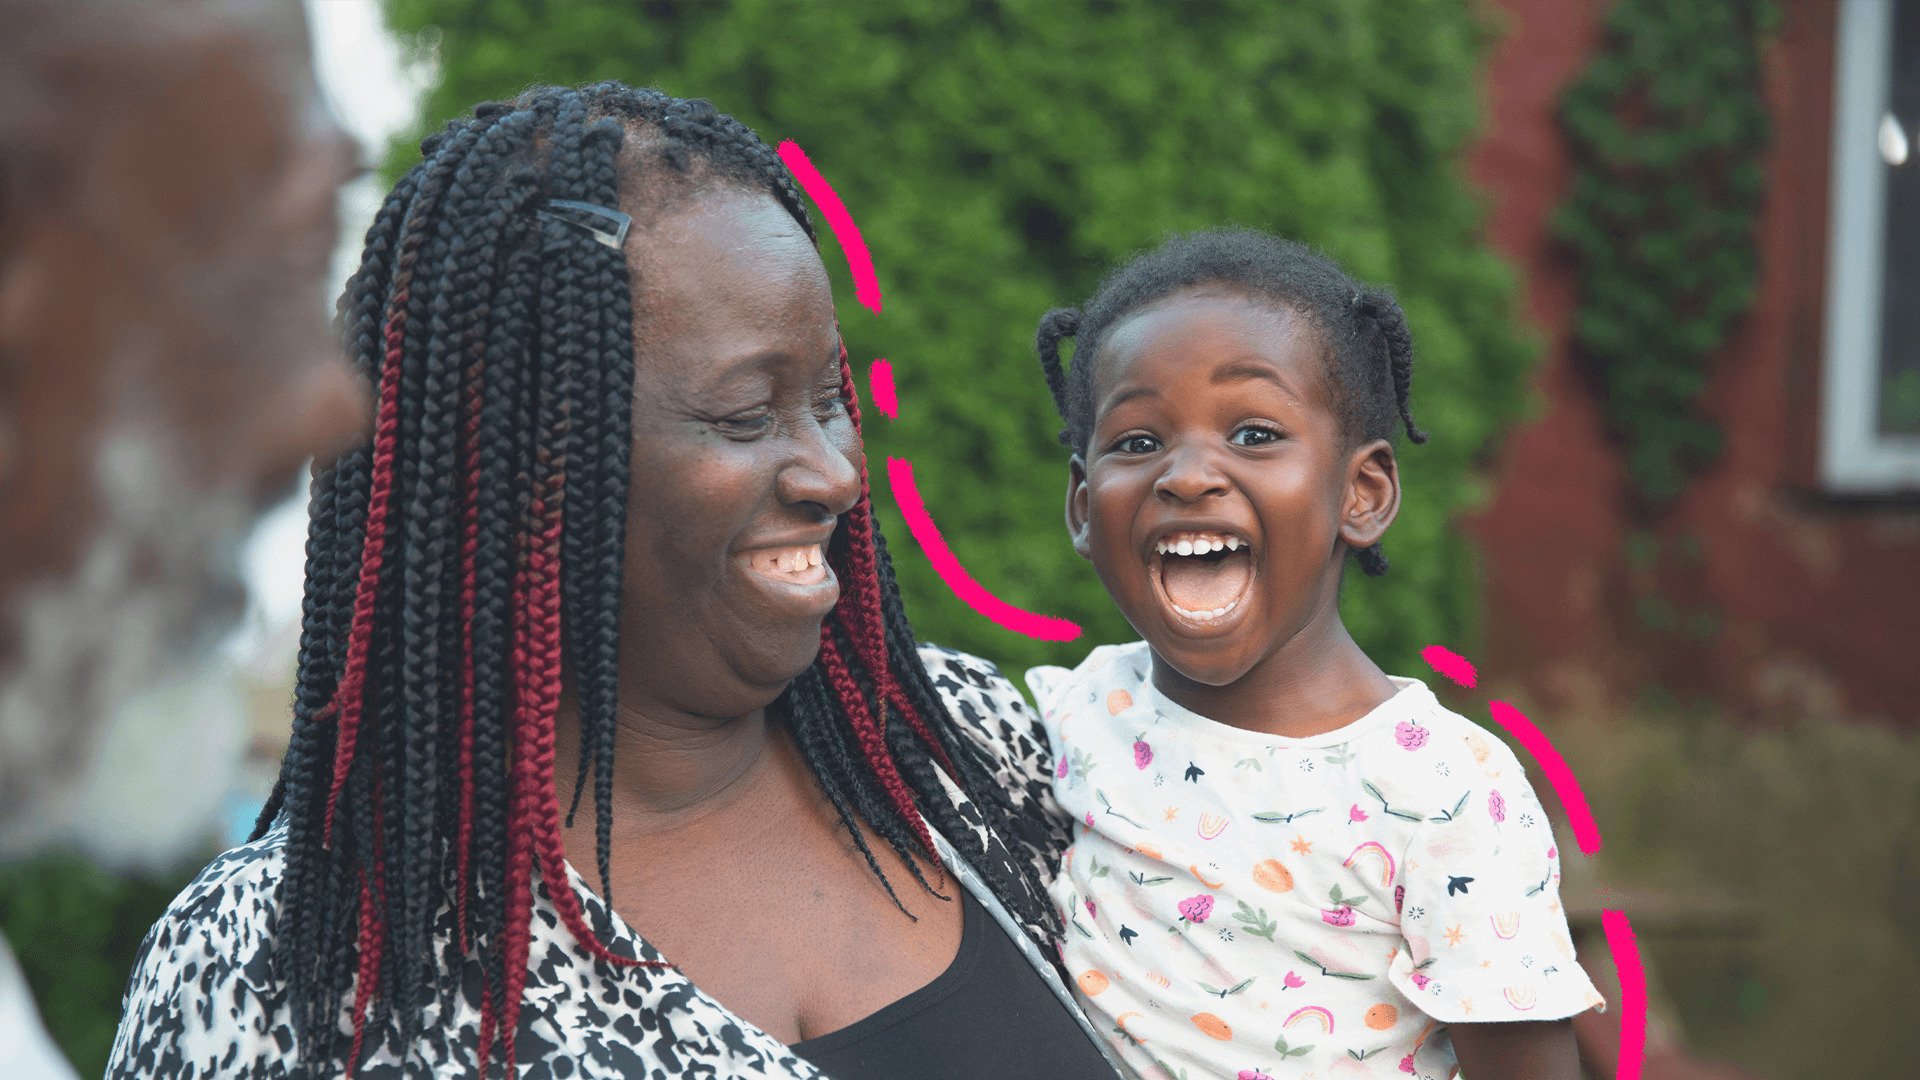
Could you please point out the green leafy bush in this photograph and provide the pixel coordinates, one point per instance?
(76, 931)
(999, 156)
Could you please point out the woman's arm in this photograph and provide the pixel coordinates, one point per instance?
(1517, 1050)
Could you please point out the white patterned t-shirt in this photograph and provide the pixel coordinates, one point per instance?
(1245, 905)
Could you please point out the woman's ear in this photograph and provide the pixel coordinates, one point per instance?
(1373, 495)
(1077, 506)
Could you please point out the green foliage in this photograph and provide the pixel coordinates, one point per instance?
(76, 931)
(999, 156)
(1667, 128)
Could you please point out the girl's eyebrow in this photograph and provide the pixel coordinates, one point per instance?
(1124, 396)
(1249, 370)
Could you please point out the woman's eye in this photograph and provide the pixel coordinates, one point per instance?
(1254, 436)
(1138, 444)
(745, 425)
(829, 404)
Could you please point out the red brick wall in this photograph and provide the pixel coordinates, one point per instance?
(1817, 603)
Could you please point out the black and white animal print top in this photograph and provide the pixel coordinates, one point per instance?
(201, 1001)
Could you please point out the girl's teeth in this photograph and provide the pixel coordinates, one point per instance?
(1201, 546)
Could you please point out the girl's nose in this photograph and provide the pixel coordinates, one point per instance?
(1190, 476)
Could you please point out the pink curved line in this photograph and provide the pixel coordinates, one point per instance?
(866, 287)
(1449, 663)
(907, 496)
(880, 380)
(1633, 993)
(1565, 784)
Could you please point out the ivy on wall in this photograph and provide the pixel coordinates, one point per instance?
(1667, 128)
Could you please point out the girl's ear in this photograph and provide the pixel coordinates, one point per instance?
(1077, 506)
(1373, 495)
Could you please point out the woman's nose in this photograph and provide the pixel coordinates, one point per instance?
(1190, 476)
(822, 472)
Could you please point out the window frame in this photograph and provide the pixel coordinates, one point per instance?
(1856, 458)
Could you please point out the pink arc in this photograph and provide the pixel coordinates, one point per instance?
(1633, 993)
(866, 286)
(1449, 663)
(1585, 832)
(880, 380)
(1043, 627)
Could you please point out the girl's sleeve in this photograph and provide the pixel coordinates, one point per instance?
(200, 1002)
(1486, 938)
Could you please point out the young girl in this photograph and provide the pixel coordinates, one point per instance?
(1291, 863)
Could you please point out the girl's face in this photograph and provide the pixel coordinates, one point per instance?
(1219, 492)
(743, 458)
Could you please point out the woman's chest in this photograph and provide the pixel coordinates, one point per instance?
(776, 914)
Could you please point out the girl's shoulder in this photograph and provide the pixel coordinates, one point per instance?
(1104, 669)
(1415, 720)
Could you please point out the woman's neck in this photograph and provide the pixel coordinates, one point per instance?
(667, 768)
(1316, 681)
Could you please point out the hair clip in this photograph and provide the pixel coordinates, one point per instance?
(616, 239)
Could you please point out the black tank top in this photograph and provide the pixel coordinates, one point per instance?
(988, 1014)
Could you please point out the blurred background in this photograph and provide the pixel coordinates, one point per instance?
(1662, 265)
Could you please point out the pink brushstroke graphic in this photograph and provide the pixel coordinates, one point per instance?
(1633, 993)
(907, 496)
(880, 381)
(866, 286)
(1565, 784)
(1449, 663)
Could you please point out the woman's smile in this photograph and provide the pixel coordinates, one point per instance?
(795, 577)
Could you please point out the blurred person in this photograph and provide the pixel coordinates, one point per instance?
(167, 183)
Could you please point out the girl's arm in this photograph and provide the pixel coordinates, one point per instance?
(1517, 1050)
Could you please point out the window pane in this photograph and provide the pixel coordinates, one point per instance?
(1900, 149)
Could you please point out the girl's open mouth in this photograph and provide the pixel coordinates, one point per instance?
(1203, 575)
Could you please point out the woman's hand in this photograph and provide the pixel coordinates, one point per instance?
(1529, 1050)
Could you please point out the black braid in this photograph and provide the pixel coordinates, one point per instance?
(1369, 346)
(1056, 326)
(1026, 896)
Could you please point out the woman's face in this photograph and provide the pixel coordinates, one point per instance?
(743, 458)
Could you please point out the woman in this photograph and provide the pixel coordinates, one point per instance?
(613, 514)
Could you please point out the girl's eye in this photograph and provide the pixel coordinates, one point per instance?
(1254, 436)
(1138, 444)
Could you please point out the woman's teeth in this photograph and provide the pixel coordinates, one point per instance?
(1195, 544)
(792, 560)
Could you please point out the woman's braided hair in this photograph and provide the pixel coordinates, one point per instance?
(480, 531)
(1369, 348)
